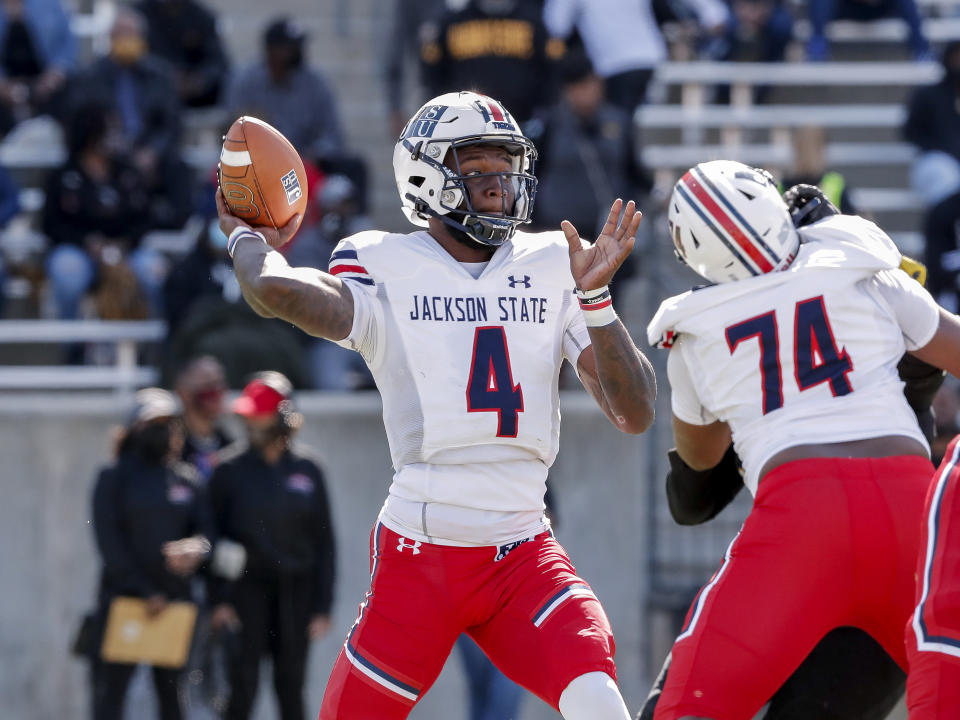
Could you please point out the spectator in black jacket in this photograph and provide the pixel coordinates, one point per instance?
(95, 214)
(409, 20)
(139, 88)
(497, 47)
(587, 156)
(274, 552)
(184, 33)
(151, 524)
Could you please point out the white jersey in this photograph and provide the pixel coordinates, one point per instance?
(807, 355)
(468, 370)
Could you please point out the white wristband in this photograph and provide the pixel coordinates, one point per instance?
(241, 232)
(597, 306)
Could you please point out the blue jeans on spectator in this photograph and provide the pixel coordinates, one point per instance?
(71, 272)
(823, 11)
(493, 696)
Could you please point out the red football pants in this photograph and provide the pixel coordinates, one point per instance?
(829, 542)
(933, 635)
(526, 608)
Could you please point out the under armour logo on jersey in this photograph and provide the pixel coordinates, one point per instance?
(514, 282)
(415, 546)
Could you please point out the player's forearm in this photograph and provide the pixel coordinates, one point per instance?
(316, 302)
(626, 377)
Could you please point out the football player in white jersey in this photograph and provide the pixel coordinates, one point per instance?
(464, 326)
(791, 354)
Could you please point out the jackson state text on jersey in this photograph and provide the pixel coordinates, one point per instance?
(468, 368)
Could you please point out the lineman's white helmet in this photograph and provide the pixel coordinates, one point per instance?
(728, 222)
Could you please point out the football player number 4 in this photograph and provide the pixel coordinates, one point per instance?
(490, 387)
(816, 358)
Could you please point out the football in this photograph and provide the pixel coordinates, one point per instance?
(261, 174)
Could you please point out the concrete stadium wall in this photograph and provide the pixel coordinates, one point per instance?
(51, 448)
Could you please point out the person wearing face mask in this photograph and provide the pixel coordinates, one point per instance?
(95, 215)
(140, 89)
(273, 561)
(201, 385)
(151, 525)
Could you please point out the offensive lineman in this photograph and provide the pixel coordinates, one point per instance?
(792, 356)
(464, 328)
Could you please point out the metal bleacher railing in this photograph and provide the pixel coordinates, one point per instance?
(124, 375)
(761, 134)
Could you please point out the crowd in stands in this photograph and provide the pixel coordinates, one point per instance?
(572, 73)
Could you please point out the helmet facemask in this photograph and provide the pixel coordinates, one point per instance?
(428, 165)
(454, 206)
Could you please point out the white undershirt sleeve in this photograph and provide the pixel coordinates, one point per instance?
(684, 401)
(367, 333)
(915, 310)
(575, 334)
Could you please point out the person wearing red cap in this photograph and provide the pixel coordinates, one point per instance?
(273, 561)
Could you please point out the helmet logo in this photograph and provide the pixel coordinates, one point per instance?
(495, 114)
(426, 122)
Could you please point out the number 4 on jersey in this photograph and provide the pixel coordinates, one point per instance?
(490, 387)
(816, 358)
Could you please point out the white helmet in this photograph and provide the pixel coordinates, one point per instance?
(428, 187)
(728, 222)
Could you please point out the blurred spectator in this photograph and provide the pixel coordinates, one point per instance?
(286, 92)
(933, 125)
(810, 168)
(203, 272)
(151, 523)
(201, 385)
(205, 317)
(37, 53)
(823, 11)
(623, 39)
(184, 33)
(410, 18)
(275, 550)
(95, 214)
(140, 90)
(756, 31)
(496, 47)
(586, 152)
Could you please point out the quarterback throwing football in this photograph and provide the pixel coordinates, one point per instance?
(464, 326)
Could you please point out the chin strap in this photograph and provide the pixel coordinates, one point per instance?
(465, 232)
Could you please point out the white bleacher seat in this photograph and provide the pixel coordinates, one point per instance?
(804, 73)
(770, 116)
(777, 155)
(123, 376)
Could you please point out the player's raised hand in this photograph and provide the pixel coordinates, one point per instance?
(275, 237)
(593, 266)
